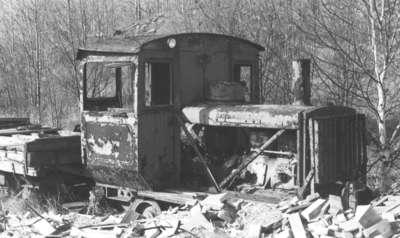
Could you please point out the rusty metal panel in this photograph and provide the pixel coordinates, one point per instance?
(333, 140)
(192, 80)
(259, 116)
(335, 143)
(110, 142)
(201, 62)
(158, 157)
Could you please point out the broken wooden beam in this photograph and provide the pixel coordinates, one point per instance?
(9, 132)
(297, 226)
(199, 154)
(367, 216)
(174, 198)
(283, 153)
(250, 159)
(313, 210)
(301, 191)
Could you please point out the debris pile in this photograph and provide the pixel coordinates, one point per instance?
(228, 214)
(320, 217)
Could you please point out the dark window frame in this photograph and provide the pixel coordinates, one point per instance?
(171, 82)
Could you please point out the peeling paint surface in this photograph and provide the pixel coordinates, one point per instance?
(111, 147)
(262, 116)
(104, 146)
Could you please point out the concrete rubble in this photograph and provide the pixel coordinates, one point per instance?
(227, 214)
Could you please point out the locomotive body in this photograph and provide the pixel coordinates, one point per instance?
(135, 87)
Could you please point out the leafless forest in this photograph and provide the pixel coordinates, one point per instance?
(354, 46)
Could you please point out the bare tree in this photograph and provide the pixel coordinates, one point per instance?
(365, 34)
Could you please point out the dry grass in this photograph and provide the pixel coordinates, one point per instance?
(31, 202)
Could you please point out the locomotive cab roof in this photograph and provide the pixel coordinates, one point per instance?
(133, 44)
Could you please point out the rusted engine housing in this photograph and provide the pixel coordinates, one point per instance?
(329, 139)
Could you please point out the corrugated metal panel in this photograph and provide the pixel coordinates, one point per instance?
(336, 144)
(331, 140)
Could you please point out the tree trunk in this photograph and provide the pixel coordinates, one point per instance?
(379, 70)
(37, 58)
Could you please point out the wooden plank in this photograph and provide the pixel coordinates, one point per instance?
(367, 216)
(391, 208)
(74, 205)
(380, 201)
(9, 132)
(302, 190)
(283, 153)
(16, 156)
(335, 203)
(297, 226)
(18, 168)
(12, 148)
(255, 197)
(167, 197)
(298, 207)
(14, 142)
(381, 229)
(271, 226)
(313, 210)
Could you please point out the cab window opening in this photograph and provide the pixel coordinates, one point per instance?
(100, 81)
(158, 90)
(242, 73)
(109, 85)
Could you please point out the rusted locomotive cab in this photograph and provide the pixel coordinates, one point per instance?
(132, 89)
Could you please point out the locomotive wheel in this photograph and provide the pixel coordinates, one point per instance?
(151, 210)
(144, 208)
